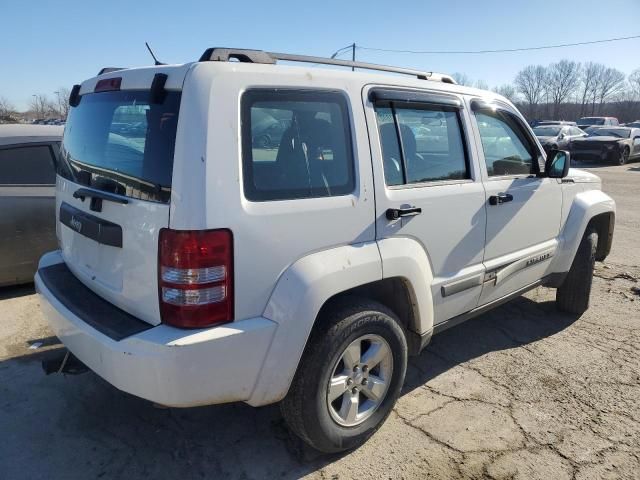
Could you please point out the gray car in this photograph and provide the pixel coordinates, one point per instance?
(554, 137)
(28, 156)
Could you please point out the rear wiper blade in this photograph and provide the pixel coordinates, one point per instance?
(82, 193)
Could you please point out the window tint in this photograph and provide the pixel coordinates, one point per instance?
(296, 144)
(575, 131)
(27, 166)
(506, 149)
(421, 144)
(123, 143)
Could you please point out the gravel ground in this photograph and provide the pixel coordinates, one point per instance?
(520, 393)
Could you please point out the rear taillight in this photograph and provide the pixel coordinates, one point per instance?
(195, 277)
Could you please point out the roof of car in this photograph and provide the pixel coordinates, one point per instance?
(18, 133)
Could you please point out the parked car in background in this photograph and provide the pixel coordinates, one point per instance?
(556, 122)
(554, 137)
(585, 122)
(28, 156)
(608, 144)
(634, 124)
(536, 123)
(268, 133)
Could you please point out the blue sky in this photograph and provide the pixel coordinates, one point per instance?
(47, 44)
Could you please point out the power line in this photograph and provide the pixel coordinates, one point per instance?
(544, 47)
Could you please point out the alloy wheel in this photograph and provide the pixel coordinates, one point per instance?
(359, 380)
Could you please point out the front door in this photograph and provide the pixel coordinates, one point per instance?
(424, 169)
(523, 207)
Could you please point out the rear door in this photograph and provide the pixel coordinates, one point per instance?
(523, 208)
(27, 209)
(114, 190)
(423, 166)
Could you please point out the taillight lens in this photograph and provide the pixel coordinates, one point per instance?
(195, 277)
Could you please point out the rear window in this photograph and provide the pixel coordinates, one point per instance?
(122, 143)
(591, 121)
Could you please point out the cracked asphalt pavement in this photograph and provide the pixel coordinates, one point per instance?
(522, 392)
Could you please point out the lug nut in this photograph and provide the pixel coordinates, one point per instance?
(349, 382)
(354, 390)
(364, 381)
(365, 369)
(356, 368)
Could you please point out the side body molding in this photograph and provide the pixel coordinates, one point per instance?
(299, 294)
(584, 207)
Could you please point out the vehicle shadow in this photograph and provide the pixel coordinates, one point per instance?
(17, 291)
(81, 427)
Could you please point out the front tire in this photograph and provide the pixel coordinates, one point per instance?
(624, 156)
(349, 377)
(573, 295)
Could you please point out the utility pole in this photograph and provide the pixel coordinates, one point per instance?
(353, 55)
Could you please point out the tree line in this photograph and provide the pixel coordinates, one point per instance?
(41, 106)
(568, 90)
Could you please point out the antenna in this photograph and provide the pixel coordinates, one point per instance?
(154, 57)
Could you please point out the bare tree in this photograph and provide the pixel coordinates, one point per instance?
(507, 90)
(609, 83)
(62, 102)
(40, 105)
(590, 75)
(634, 83)
(481, 84)
(462, 79)
(562, 81)
(7, 110)
(530, 82)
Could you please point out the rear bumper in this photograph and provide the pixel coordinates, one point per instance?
(170, 366)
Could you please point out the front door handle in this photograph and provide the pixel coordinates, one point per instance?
(396, 213)
(500, 198)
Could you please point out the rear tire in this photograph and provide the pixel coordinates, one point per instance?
(573, 295)
(328, 358)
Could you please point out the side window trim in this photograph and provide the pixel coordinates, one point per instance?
(479, 105)
(53, 159)
(396, 98)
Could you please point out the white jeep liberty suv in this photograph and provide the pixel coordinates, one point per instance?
(251, 231)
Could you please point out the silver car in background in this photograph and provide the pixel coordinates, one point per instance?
(28, 156)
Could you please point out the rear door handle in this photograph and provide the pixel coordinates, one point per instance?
(500, 198)
(396, 213)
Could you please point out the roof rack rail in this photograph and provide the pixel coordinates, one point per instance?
(110, 69)
(260, 56)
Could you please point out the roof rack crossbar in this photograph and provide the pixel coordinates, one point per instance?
(259, 56)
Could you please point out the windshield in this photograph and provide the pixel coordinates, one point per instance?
(610, 132)
(121, 143)
(591, 121)
(547, 131)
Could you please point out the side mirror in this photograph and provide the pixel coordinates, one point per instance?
(557, 164)
(561, 136)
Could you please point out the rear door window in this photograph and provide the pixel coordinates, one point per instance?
(296, 144)
(422, 144)
(122, 143)
(27, 165)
